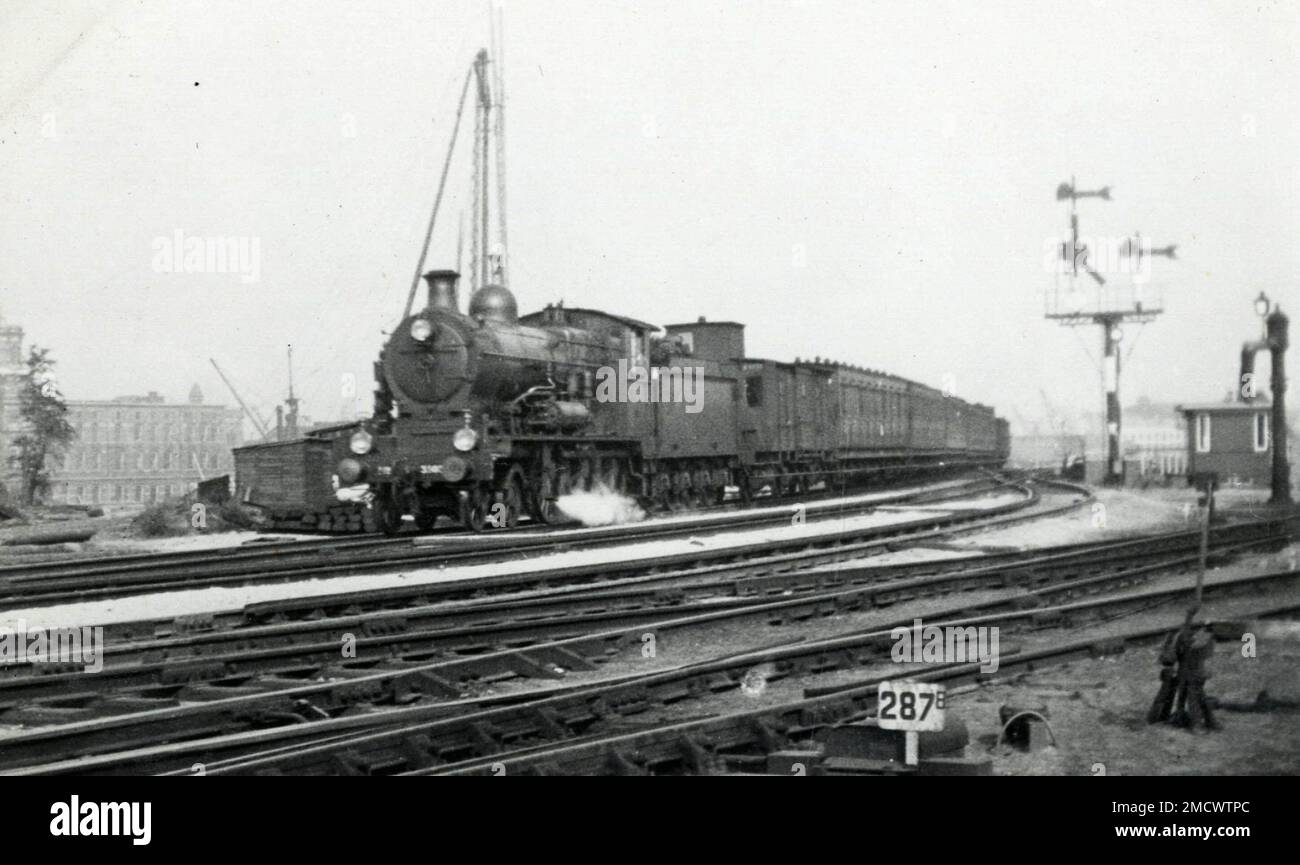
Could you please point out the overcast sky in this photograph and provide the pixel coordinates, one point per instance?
(870, 182)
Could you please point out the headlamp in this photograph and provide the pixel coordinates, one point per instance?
(464, 439)
(360, 443)
(421, 329)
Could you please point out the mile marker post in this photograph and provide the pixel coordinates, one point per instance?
(910, 707)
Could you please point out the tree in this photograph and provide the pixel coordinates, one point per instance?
(46, 431)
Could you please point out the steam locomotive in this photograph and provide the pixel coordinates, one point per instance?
(485, 416)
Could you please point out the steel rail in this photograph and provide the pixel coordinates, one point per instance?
(79, 582)
(287, 649)
(621, 700)
(39, 742)
(703, 746)
(271, 700)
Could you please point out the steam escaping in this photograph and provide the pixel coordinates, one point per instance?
(600, 506)
(755, 681)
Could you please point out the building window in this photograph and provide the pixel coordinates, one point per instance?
(1202, 433)
(1261, 432)
(754, 391)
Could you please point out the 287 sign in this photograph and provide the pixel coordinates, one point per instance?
(913, 706)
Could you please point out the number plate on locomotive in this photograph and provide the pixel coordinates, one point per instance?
(910, 706)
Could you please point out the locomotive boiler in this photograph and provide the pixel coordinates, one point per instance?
(482, 417)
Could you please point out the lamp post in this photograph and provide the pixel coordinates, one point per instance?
(1262, 305)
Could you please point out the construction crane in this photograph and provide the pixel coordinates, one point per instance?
(1057, 423)
(1055, 419)
(1027, 427)
(257, 422)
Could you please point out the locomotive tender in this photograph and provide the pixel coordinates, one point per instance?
(484, 415)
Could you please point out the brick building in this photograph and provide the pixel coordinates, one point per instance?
(137, 450)
(11, 372)
(1232, 440)
(130, 451)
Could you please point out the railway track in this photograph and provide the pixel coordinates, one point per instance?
(346, 703)
(311, 648)
(735, 741)
(584, 730)
(567, 745)
(792, 550)
(49, 584)
(752, 559)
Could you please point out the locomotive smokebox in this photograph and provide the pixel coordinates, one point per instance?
(442, 289)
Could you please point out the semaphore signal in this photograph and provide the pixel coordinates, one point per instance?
(1111, 311)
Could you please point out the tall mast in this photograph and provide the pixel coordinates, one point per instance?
(498, 81)
(291, 427)
(482, 169)
(481, 269)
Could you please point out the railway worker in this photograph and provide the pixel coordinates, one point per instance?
(1183, 658)
(1171, 685)
(1193, 705)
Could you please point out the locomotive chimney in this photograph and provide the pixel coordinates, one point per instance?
(442, 289)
